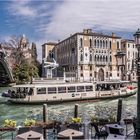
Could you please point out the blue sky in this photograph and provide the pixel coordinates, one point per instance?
(51, 20)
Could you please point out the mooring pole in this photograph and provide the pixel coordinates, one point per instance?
(119, 110)
(44, 119)
(76, 111)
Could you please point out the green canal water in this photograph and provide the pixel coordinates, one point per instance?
(65, 111)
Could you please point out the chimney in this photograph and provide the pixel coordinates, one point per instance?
(113, 34)
(87, 31)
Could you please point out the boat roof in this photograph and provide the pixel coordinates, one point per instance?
(68, 84)
(54, 84)
(112, 82)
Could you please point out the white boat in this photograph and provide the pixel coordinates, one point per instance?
(69, 92)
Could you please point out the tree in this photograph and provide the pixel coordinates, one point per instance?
(25, 64)
(34, 58)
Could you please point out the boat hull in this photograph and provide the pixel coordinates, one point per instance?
(53, 102)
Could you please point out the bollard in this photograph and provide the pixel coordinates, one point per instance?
(76, 111)
(119, 110)
(44, 119)
(86, 131)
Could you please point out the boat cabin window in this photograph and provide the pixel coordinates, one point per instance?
(71, 89)
(41, 90)
(80, 88)
(52, 90)
(61, 89)
(22, 90)
(89, 88)
(30, 91)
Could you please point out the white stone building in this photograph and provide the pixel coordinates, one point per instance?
(131, 54)
(89, 56)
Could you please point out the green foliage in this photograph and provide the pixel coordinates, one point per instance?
(24, 73)
(9, 123)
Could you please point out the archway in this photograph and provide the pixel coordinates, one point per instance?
(101, 75)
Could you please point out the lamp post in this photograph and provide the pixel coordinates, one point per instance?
(137, 42)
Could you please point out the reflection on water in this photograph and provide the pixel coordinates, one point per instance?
(65, 111)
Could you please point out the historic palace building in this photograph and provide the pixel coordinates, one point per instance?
(90, 56)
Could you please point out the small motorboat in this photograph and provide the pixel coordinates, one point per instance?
(6, 94)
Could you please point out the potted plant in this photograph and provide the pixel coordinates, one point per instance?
(30, 122)
(9, 123)
(76, 120)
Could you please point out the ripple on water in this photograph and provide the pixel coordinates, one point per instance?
(64, 111)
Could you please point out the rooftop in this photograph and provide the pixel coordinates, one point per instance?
(50, 43)
(89, 32)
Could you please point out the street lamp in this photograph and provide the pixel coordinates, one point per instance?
(137, 42)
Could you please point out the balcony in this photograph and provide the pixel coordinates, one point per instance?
(120, 53)
(101, 63)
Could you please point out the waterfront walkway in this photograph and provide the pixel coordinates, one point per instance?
(86, 130)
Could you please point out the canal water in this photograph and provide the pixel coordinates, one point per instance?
(64, 112)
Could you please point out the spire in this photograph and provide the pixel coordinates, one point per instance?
(23, 41)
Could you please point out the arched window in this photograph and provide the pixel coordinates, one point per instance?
(81, 57)
(95, 43)
(110, 44)
(106, 59)
(103, 44)
(106, 44)
(103, 58)
(95, 58)
(118, 46)
(110, 59)
(90, 43)
(100, 43)
(90, 57)
(98, 58)
(81, 42)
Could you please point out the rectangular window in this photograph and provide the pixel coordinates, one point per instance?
(89, 88)
(90, 67)
(61, 89)
(52, 90)
(80, 88)
(71, 89)
(106, 74)
(41, 90)
(81, 74)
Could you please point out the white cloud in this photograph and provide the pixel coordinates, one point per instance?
(113, 15)
(70, 16)
(22, 8)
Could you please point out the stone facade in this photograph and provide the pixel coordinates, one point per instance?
(89, 56)
(131, 55)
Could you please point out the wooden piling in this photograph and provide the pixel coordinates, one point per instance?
(119, 110)
(76, 111)
(45, 118)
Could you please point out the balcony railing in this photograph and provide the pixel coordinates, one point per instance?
(120, 53)
(101, 63)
